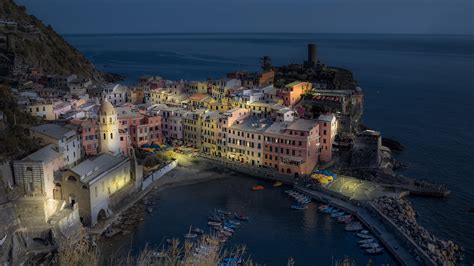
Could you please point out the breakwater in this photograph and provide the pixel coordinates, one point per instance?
(387, 238)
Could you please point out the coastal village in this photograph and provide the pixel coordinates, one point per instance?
(98, 147)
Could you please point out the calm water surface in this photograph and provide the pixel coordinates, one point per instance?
(273, 233)
(418, 89)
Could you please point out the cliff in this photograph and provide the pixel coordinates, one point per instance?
(33, 44)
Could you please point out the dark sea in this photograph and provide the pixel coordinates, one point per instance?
(419, 89)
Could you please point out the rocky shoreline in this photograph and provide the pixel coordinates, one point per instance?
(402, 213)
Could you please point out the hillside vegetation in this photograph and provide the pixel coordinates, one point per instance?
(38, 45)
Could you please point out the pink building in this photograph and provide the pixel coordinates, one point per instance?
(88, 130)
(327, 131)
(292, 148)
(147, 131)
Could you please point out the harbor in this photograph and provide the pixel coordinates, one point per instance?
(304, 235)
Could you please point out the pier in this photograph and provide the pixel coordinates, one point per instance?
(398, 244)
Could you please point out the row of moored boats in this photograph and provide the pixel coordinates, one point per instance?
(367, 241)
(301, 200)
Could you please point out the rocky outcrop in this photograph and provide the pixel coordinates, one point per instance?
(400, 211)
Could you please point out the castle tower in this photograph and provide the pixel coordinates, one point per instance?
(108, 129)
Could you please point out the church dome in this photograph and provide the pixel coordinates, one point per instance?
(106, 108)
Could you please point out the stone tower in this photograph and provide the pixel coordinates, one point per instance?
(108, 129)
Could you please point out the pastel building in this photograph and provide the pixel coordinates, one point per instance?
(192, 127)
(115, 93)
(214, 129)
(292, 148)
(327, 131)
(245, 140)
(148, 130)
(49, 110)
(66, 139)
(89, 131)
(292, 93)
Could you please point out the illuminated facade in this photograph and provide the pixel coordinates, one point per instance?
(108, 129)
(97, 184)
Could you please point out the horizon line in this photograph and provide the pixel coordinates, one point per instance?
(236, 32)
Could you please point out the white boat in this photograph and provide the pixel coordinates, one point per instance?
(370, 245)
(366, 241)
(353, 228)
(363, 236)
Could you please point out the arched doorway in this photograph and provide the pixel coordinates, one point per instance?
(101, 216)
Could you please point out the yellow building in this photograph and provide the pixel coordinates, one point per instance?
(192, 127)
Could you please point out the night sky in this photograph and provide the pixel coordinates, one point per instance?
(311, 16)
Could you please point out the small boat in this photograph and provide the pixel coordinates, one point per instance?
(211, 223)
(231, 261)
(190, 235)
(288, 191)
(374, 251)
(328, 210)
(234, 222)
(353, 228)
(278, 184)
(198, 231)
(256, 188)
(337, 214)
(344, 218)
(241, 217)
(364, 232)
(214, 219)
(233, 226)
(222, 212)
(322, 207)
(366, 241)
(363, 236)
(225, 233)
(370, 245)
(228, 229)
(299, 207)
(346, 221)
